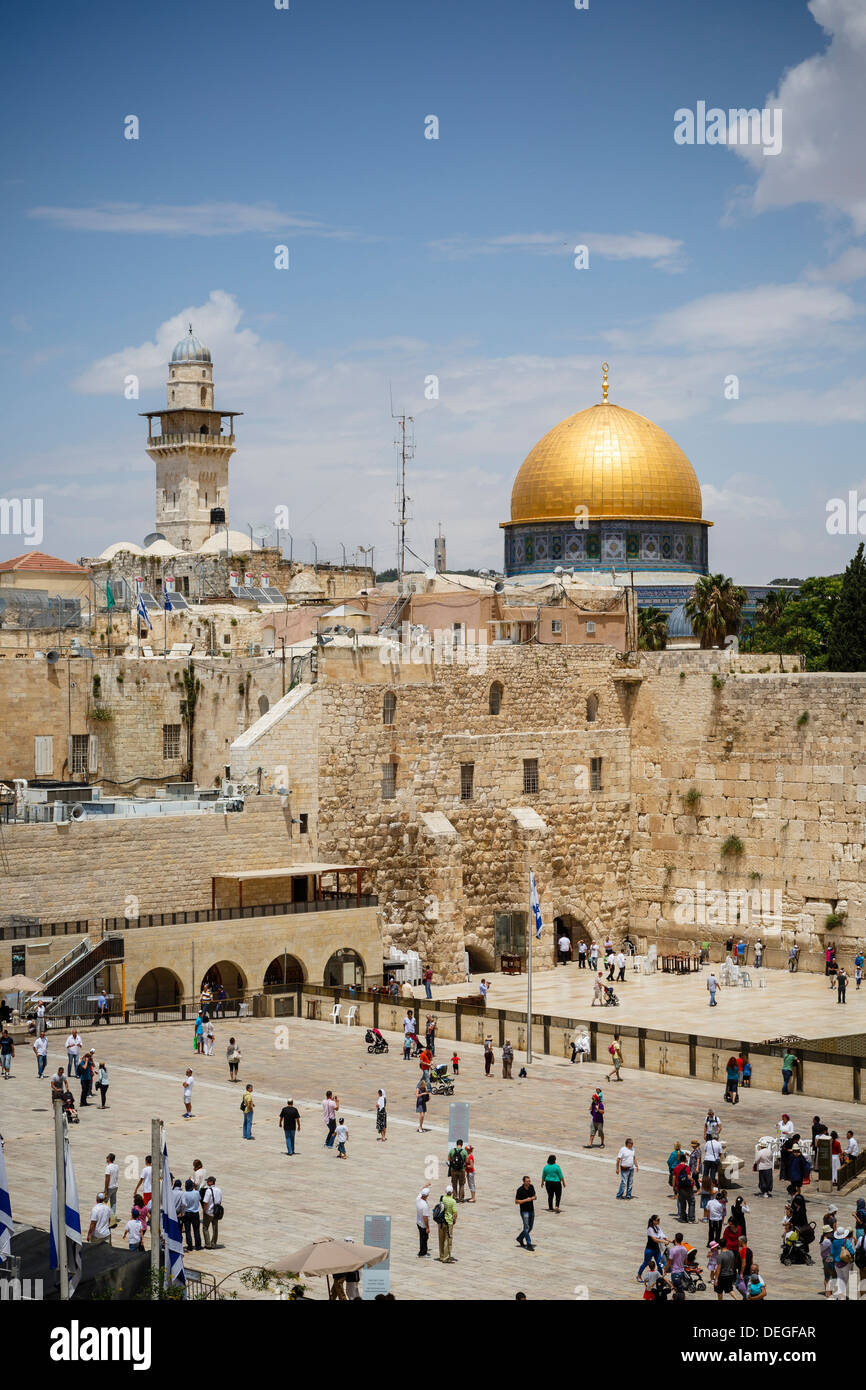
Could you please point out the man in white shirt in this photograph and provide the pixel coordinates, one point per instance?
(422, 1220)
(715, 1217)
(852, 1148)
(563, 946)
(74, 1044)
(210, 1201)
(145, 1182)
(712, 1157)
(40, 1017)
(100, 1222)
(712, 1125)
(188, 1083)
(620, 965)
(40, 1047)
(111, 1173)
(626, 1167)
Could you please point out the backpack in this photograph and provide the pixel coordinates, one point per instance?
(243, 1106)
(218, 1212)
(439, 1212)
(684, 1181)
(456, 1161)
(860, 1253)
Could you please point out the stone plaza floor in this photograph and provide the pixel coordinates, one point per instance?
(778, 1003)
(275, 1203)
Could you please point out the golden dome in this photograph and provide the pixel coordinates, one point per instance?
(611, 461)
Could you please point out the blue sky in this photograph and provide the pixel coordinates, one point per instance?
(413, 257)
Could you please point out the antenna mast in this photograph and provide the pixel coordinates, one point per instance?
(405, 444)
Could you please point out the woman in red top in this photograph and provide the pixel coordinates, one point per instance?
(835, 1156)
(731, 1237)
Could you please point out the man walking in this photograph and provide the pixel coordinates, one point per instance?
(57, 1082)
(563, 947)
(615, 1051)
(248, 1105)
(712, 986)
(422, 1221)
(712, 1158)
(211, 1205)
(789, 1066)
(620, 965)
(581, 955)
(684, 1190)
(290, 1124)
(40, 1047)
(329, 1115)
(841, 984)
(507, 1059)
(596, 1119)
(525, 1200)
(626, 1167)
(457, 1169)
(111, 1172)
(446, 1227)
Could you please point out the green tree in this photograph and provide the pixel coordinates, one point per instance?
(652, 630)
(846, 647)
(715, 609)
(803, 625)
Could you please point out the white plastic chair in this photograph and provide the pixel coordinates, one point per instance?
(352, 1016)
(746, 978)
(335, 1013)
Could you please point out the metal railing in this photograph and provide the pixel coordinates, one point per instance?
(82, 926)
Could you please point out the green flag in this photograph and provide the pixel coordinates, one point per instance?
(109, 597)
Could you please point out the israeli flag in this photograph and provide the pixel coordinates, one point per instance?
(5, 1212)
(72, 1221)
(142, 611)
(534, 904)
(170, 1224)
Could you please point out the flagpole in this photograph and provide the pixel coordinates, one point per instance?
(156, 1193)
(60, 1170)
(529, 981)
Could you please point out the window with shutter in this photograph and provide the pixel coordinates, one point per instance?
(92, 753)
(43, 756)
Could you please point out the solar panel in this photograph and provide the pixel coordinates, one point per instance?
(176, 600)
(260, 595)
(151, 604)
(273, 595)
(240, 591)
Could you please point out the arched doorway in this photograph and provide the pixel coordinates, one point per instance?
(345, 967)
(480, 959)
(159, 988)
(225, 974)
(282, 973)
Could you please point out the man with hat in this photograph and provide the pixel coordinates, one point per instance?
(86, 1069)
(422, 1220)
(799, 1169)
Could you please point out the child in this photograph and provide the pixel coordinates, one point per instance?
(455, 1063)
(747, 1073)
(407, 1047)
(341, 1135)
(470, 1172)
(712, 1260)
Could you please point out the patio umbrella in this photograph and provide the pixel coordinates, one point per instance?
(327, 1256)
(17, 984)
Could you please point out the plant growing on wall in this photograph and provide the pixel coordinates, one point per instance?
(803, 719)
(101, 713)
(718, 681)
(96, 686)
(732, 847)
(692, 798)
(192, 688)
(834, 920)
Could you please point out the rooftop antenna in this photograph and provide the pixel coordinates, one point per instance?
(405, 444)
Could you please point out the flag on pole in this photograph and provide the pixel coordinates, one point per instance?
(109, 596)
(142, 611)
(5, 1211)
(72, 1222)
(534, 904)
(170, 1224)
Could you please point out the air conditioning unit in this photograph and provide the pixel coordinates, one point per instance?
(590, 628)
(230, 789)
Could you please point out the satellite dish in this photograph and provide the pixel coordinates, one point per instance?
(153, 536)
(499, 587)
(262, 532)
(430, 573)
(52, 656)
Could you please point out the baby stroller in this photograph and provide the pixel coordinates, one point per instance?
(610, 999)
(69, 1108)
(374, 1040)
(441, 1084)
(693, 1275)
(795, 1245)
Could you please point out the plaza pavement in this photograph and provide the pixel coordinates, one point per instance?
(800, 1003)
(275, 1203)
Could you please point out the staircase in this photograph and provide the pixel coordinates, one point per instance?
(395, 612)
(68, 981)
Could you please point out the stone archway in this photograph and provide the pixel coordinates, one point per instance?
(481, 958)
(227, 975)
(344, 967)
(159, 988)
(283, 972)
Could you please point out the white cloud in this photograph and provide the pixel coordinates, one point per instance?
(823, 156)
(663, 252)
(845, 270)
(767, 315)
(194, 219)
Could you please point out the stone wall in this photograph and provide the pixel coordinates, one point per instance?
(779, 762)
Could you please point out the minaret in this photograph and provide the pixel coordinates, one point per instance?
(191, 452)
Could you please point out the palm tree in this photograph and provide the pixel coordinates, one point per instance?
(771, 606)
(715, 609)
(652, 630)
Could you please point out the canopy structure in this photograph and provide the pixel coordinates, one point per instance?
(313, 870)
(327, 1256)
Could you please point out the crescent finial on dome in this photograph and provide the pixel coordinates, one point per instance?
(604, 371)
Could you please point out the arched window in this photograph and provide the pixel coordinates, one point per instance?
(203, 372)
(172, 395)
(204, 402)
(495, 699)
(389, 707)
(592, 708)
(203, 429)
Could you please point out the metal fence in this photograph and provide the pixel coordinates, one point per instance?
(17, 931)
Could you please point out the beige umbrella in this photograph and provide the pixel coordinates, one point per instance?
(18, 984)
(328, 1256)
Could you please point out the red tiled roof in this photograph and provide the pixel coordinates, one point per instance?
(38, 560)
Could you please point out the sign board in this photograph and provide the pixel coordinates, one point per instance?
(377, 1231)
